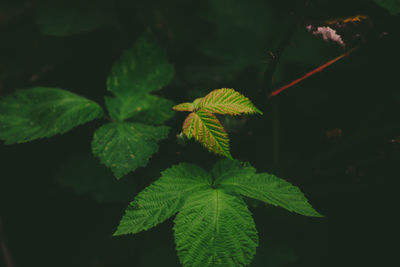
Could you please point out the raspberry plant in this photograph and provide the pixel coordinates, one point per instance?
(213, 226)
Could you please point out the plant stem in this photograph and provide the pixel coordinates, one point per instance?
(308, 74)
(4, 250)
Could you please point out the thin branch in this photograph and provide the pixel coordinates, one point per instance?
(4, 250)
(275, 56)
(308, 74)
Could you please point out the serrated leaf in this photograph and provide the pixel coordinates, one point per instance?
(41, 112)
(393, 6)
(184, 107)
(206, 129)
(163, 198)
(225, 169)
(125, 146)
(215, 229)
(227, 102)
(85, 175)
(142, 69)
(146, 108)
(67, 17)
(264, 187)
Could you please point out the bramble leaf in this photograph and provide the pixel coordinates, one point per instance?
(264, 187)
(206, 129)
(163, 198)
(41, 112)
(141, 69)
(144, 68)
(146, 108)
(214, 228)
(227, 102)
(184, 107)
(125, 146)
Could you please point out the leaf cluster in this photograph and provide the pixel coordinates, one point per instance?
(130, 139)
(205, 127)
(214, 226)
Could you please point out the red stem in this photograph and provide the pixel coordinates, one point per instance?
(308, 74)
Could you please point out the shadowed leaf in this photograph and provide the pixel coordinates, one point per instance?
(41, 112)
(125, 146)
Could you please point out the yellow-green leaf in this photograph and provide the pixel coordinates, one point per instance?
(207, 129)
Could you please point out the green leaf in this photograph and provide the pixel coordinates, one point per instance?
(264, 187)
(393, 6)
(67, 17)
(142, 69)
(206, 129)
(85, 175)
(214, 228)
(41, 112)
(184, 107)
(163, 198)
(146, 108)
(204, 126)
(227, 102)
(225, 169)
(125, 146)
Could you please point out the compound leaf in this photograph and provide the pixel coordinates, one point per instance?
(267, 188)
(228, 102)
(225, 169)
(125, 146)
(41, 112)
(163, 198)
(214, 228)
(206, 129)
(142, 69)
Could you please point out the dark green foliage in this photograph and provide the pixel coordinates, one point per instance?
(67, 17)
(392, 5)
(213, 226)
(41, 112)
(142, 69)
(124, 146)
(85, 175)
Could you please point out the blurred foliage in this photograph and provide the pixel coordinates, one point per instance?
(67, 17)
(85, 175)
(392, 5)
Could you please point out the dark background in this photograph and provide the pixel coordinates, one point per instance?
(336, 135)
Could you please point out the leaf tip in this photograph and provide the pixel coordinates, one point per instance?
(183, 107)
